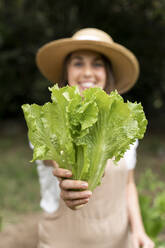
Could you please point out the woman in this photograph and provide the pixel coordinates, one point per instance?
(111, 219)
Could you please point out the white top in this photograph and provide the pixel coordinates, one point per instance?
(50, 190)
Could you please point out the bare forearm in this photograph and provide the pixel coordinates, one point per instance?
(133, 207)
(139, 236)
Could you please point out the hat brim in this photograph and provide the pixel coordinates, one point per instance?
(50, 59)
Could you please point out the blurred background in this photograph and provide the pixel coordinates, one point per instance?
(25, 25)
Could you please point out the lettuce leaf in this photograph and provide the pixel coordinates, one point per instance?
(82, 132)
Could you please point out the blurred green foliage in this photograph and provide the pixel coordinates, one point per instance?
(152, 203)
(19, 187)
(25, 25)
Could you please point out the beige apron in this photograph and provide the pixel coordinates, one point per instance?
(102, 223)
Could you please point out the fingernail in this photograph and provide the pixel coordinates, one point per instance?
(89, 193)
(84, 185)
(68, 173)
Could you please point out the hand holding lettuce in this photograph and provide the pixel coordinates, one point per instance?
(82, 133)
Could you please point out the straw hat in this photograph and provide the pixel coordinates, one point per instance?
(50, 57)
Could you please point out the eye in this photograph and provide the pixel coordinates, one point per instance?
(98, 64)
(77, 63)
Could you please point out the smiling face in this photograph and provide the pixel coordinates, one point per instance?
(86, 69)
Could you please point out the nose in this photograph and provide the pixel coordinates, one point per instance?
(88, 72)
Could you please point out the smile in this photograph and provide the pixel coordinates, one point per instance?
(86, 85)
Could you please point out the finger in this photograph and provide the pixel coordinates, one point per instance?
(72, 195)
(62, 173)
(73, 184)
(75, 203)
(149, 245)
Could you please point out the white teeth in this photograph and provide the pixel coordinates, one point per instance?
(87, 84)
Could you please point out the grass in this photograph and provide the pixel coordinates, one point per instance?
(150, 177)
(19, 186)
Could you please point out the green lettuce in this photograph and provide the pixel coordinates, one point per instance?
(82, 132)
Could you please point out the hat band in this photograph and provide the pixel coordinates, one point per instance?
(94, 38)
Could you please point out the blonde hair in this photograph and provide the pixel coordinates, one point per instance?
(110, 82)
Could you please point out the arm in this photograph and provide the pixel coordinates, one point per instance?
(140, 238)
